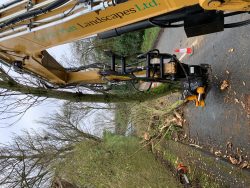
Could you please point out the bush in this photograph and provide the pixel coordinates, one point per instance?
(128, 44)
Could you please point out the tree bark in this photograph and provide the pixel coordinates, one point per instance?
(80, 97)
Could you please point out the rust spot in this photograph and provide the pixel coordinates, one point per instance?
(248, 104)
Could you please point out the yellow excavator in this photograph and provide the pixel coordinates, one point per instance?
(29, 27)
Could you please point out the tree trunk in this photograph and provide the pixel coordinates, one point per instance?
(80, 97)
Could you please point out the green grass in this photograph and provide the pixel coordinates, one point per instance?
(149, 38)
(140, 113)
(116, 162)
(121, 118)
(150, 115)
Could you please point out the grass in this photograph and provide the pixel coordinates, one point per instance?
(141, 113)
(116, 162)
(121, 118)
(149, 38)
(150, 115)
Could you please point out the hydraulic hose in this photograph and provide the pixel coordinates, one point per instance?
(3, 6)
(33, 13)
(169, 20)
(164, 20)
(237, 24)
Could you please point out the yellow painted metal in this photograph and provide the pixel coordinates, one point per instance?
(195, 99)
(32, 44)
(95, 22)
(117, 78)
(200, 90)
(91, 77)
(34, 66)
(214, 3)
(227, 5)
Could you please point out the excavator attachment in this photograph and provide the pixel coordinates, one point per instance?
(166, 68)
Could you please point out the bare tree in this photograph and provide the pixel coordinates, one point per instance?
(32, 158)
(90, 50)
(67, 125)
(28, 162)
(14, 104)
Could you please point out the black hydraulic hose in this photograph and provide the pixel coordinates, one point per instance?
(165, 25)
(32, 14)
(162, 20)
(55, 5)
(168, 20)
(237, 24)
(3, 6)
(185, 72)
(233, 13)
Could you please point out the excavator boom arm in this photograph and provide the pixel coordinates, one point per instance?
(28, 28)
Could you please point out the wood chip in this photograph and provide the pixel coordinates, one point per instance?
(218, 153)
(229, 145)
(179, 123)
(178, 115)
(227, 72)
(224, 85)
(233, 160)
(244, 164)
(240, 159)
(195, 145)
(243, 105)
(244, 83)
(236, 100)
(146, 136)
(238, 151)
(163, 127)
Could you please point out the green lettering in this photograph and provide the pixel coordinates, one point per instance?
(138, 8)
(145, 6)
(153, 3)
